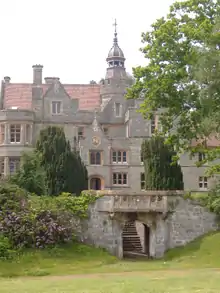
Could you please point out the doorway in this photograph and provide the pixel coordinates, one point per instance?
(136, 238)
(95, 183)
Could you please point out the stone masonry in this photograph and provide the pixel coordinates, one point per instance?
(97, 119)
(173, 221)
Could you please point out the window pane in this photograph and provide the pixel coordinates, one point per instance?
(92, 158)
(124, 178)
(15, 133)
(58, 107)
(114, 157)
(114, 178)
(124, 157)
(95, 157)
(119, 157)
(53, 107)
(98, 158)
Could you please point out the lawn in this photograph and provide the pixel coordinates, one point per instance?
(194, 268)
(156, 282)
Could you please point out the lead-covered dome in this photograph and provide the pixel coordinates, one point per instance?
(115, 51)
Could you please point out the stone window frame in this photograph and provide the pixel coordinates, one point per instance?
(95, 157)
(80, 132)
(118, 156)
(201, 157)
(203, 182)
(54, 104)
(13, 164)
(15, 131)
(2, 133)
(142, 181)
(120, 178)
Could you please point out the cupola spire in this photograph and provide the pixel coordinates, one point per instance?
(115, 56)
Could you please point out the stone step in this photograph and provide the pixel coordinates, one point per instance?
(135, 255)
(130, 231)
(130, 248)
(138, 247)
(132, 234)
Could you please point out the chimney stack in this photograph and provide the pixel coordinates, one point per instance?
(51, 80)
(37, 74)
(7, 79)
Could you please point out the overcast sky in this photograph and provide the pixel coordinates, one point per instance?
(71, 38)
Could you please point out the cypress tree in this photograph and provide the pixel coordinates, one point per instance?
(160, 172)
(64, 169)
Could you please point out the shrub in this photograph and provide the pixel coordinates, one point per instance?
(12, 198)
(6, 251)
(26, 226)
(30, 176)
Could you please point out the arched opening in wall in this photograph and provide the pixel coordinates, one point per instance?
(95, 183)
(136, 239)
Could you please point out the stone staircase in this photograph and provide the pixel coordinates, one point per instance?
(131, 239)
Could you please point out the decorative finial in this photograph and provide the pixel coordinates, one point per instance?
(115, 25)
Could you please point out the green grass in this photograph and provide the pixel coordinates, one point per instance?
(187, 282)
(188, 269)
(81, 259)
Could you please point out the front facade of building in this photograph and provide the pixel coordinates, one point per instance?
(96, 118)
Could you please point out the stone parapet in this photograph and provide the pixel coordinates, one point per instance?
(146, 201)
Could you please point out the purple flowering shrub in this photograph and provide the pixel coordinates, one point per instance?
(25, 226)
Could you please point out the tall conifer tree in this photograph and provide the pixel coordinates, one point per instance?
(65, 172)
(160, 173)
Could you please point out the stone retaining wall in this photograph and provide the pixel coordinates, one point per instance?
(182, 224)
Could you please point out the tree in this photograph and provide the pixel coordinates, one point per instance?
(182, 78)
(93, 82)
(31, 175)
(64, 169)
(160, 172)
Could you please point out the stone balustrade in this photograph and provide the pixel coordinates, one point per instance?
(145, 201)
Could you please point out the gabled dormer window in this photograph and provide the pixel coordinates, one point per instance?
(117, 109)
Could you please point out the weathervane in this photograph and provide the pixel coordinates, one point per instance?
(115, 25)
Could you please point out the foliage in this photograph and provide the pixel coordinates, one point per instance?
(12, 198)
(66, 202)
(181, 81)
(6, 251)
(31, 175)
(210, 200)
(25, 226)
(160, 172)
(64, 170)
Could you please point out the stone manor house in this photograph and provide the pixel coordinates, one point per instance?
(97, 119)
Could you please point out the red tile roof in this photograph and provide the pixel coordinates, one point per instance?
(20, 95)
(210, 142)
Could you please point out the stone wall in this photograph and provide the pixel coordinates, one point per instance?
(178, 227)
(188, 222)
(100, 230)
